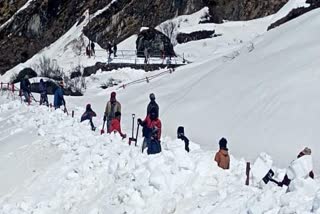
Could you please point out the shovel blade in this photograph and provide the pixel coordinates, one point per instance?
(268, 176)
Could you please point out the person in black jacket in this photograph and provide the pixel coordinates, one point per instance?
(88, 115)
(152, 104)
(25, 88)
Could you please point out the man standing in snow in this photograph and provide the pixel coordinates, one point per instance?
(88, 115)
(153, 104)
(58, 96)
(115, 125)
(25, 88)
(43, 93)
(109, 49)
(112, 107)
(222, 157)
(115, 49)
(151, 132)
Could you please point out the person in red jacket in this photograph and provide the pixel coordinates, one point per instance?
(115, 125)
(151, 132)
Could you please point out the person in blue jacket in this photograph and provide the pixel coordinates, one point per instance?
(58, 97)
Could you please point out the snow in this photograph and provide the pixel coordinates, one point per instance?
(102, 174)
(258, 89)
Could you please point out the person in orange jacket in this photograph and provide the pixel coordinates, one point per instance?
(222, 156)
(115, 124)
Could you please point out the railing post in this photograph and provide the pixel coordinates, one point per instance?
(1, 85)
(72, 114)
(247, 173)
(12, 86)
(8, 84)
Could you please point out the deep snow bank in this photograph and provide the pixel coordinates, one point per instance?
(102, 174)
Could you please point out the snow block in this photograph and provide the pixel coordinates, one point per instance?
(261, 166)
(300, 167)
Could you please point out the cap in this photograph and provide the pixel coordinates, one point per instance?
(152, 96)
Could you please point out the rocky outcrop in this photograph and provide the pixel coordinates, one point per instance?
(197, 35)
(44, 21)
(296, 13)
(26, 72)
(51, 88)
(242, 9)
(8, 8)
(155, 42)
(109, 67)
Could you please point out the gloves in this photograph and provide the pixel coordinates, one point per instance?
(104, 118)
(140, 122)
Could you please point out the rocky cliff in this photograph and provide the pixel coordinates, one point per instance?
(43, 21)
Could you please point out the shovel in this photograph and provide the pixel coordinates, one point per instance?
(102, 130)
(132, 138)
(268, 177)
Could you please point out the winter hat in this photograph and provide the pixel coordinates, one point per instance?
(113, 94)
(306, 151)
(41, 80)
(223, 143)
(88, 107)
(152, 96)
(180, 131)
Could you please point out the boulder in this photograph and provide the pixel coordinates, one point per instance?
(52, 86)
(154, 41)
(197, 35)
(26, 71)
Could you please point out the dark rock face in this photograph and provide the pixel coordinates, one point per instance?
(109, 67)
(242, 9)
(197, 35)
(155, 42)
(51, 88)
(8, 8)
(26, 71)
(296, 13)
(44, 21)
